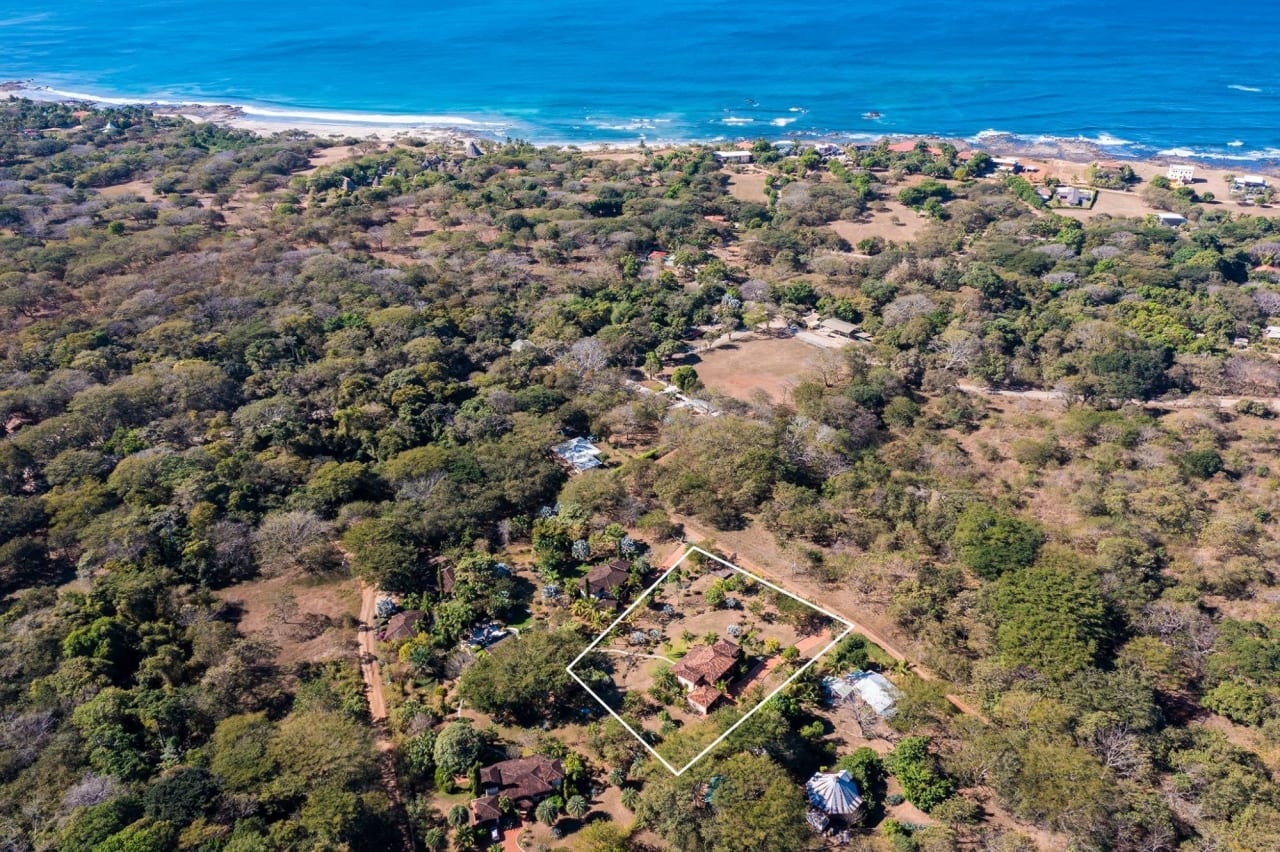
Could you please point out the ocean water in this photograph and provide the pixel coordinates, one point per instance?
(1139, 77)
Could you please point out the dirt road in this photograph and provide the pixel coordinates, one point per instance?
(1271, 402)
(369, 662)
(368, 641)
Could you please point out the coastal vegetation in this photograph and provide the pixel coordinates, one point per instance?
(236, 379)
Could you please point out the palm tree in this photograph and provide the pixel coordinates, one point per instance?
(458, 816)
(577, 807)
(435, 839)
(548, 811)
(630, 798)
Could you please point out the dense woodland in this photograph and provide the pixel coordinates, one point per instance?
(237, 367)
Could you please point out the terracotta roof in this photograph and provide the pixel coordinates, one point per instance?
(403, 625)
(523, 780)
(703, 697)
(909, 145)
(706, 664)
(485, 809)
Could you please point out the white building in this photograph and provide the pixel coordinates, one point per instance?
(877, 692)
(1171, 220)
(1249, 185)
(1182, 174)
(739, 157)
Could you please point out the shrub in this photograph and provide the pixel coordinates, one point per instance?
(990, 542)
(1200, 464)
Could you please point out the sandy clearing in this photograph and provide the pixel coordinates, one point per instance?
(134, 187)
(310, 630)
(773, 365)
(891, 221)
(748, 186)
(329, 156)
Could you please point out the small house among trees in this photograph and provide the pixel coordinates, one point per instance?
(524, 781)
(705, 666)
(607, 582)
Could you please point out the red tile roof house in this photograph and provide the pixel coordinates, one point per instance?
(702, 668)
(402, 625)
(525, 781)
(607, 582)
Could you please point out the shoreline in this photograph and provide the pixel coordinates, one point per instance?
(336, 125)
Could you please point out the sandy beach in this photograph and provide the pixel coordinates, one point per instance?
(1063, 158)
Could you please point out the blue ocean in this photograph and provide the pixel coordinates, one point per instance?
(1138, 78)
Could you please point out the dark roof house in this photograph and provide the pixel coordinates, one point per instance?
(525, 780)
(402, 625)
(485, 809)
(606, 581)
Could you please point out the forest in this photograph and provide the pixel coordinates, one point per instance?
(231, 363)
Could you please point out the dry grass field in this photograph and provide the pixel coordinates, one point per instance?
(773, 365)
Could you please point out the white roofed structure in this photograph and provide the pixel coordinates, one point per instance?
(877, 692)
(834, 793)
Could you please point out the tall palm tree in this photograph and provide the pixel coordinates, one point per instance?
(577, 807)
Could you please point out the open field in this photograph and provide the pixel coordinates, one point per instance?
(304, 617)
(748, 186)
(773, 365)
(892, 221)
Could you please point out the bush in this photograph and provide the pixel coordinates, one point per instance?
(990, 542)
(181, 797)
(917, 771)
(1201, 464)
(1254, 408)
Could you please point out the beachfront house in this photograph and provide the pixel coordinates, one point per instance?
(1073, 196)
(1271, 332)
(1007, 165)
(1249, 186)
(703, 668)
(737, 157)
(1184, 175)
(1171, 220)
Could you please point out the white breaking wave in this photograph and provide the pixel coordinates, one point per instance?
(274, 114)
(1240, 88)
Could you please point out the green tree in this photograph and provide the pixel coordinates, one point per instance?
(577, 807)
(524, 679)
(1050, 617)
(457, 747)
(182, 796)
(548, 811)
(385, 555)
(458, 816)
(685, 378)
(917, 770)
(990, 542)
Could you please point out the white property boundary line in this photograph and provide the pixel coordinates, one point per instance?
(692, 549)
